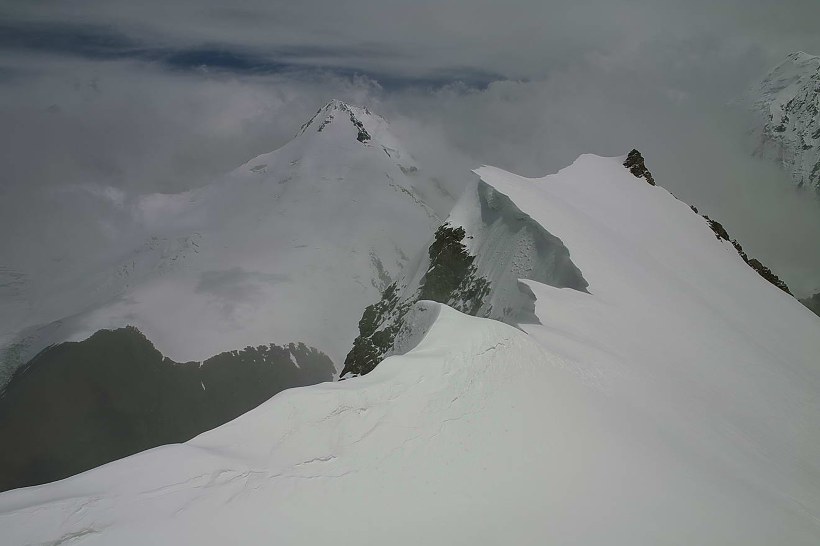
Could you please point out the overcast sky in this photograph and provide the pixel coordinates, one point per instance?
(166, 95)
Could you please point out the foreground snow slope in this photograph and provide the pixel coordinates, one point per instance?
(676, 402)
(283, 249)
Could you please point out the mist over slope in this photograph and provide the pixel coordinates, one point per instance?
(283, 248)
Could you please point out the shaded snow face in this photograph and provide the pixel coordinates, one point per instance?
(512, 246)
(79, 405)
(474, 264)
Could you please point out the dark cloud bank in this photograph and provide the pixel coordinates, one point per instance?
(164, 96)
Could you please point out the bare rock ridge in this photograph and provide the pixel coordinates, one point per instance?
(333, 109)
(635, 164)
(721, 233)
(452, 278)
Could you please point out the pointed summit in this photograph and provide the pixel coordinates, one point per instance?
(801, 57)
(338, 131)
(365, 123)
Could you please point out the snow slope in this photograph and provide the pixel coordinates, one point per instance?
(285, 248)
(788, 100)
(676, 401)
(473, 264)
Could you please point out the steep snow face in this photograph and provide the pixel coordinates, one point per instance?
(676, 400)
(285, 248)
(474, 264)
(788, 101)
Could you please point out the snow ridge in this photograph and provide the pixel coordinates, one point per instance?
(359, 117)
(676, 399)
(474, 264)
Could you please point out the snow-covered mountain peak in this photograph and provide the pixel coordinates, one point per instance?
(802, 58)
(359, 122)
(788, 101)
(319, 226)
(337, 132)
(785, 80)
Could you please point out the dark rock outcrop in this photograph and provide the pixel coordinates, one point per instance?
(363, 135)
(78, 405)
(475, 270)
(636, 165)
(451, 279)
(721, 233)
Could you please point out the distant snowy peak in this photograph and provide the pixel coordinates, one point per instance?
(637, 166)
(328, 113)
(788, 100)
(358, 122)
(785, 80)
(288, 246)
(337, 130)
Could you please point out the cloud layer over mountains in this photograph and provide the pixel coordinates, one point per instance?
(120, 98)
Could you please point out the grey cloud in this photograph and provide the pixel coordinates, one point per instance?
(236, 286)
(517, 39)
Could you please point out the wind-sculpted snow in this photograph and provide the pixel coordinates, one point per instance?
(789, 103)
(676, 400)
(474, 264)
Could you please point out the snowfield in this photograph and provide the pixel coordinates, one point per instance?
(677, 402)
